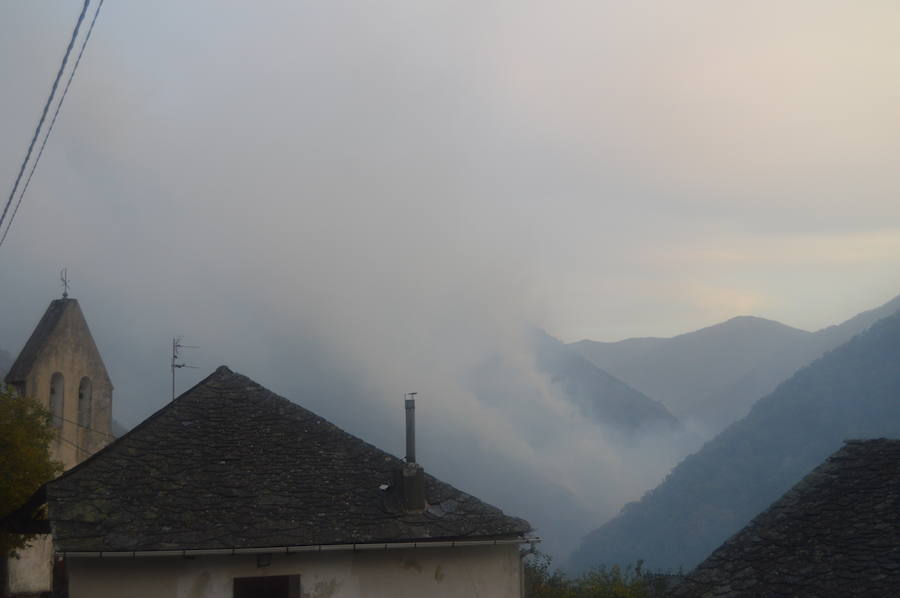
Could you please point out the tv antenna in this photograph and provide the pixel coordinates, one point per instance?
(176, 347)
(64, 278)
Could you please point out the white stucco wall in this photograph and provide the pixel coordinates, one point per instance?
(488, 571)
(32, 572)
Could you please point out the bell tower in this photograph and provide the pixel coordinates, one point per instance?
(61, 367)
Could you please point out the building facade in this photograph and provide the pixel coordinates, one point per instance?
(232, 491)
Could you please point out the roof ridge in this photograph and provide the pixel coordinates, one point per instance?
(233, 446)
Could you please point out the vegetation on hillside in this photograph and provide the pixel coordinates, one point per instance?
(542, 581)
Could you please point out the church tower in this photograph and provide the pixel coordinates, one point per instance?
(61, 367)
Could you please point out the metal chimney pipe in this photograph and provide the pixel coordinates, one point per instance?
(411, 427)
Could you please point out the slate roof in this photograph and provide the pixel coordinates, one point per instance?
(835, 533)
(230, 464)
(36, 341)
(42, 335)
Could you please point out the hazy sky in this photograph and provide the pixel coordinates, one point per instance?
(361, 199)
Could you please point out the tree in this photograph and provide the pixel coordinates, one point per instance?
(541, 581)
(25, 433)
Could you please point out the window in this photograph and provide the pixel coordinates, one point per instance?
(84, 402)
(272, 586)
(57, 385)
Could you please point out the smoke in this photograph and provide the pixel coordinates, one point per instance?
(347, 202)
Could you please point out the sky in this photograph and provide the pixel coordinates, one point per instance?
(348, 201)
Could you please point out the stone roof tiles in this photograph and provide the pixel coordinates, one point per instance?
(29, 354)
(230, 464)
(835, 533)
(43, 334)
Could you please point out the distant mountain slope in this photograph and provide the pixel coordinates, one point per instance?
(599, 397)
(851, 392)
(118, 429)
(714, 375)
(5, 363)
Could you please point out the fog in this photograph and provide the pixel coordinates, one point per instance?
(349, 201)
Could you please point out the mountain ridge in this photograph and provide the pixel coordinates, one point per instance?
(712, 376)
(850, 392)
(599, 395)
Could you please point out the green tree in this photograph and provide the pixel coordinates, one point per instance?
(25, 433)
(541, 581)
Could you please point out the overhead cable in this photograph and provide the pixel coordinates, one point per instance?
(62, 98)
(94, 430)
(37, 130)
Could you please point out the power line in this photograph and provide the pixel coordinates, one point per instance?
(77, 446)
(62, 98)
(94, 430)
(55, 114)
(37, 130)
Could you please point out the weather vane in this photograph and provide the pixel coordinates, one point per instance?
(64, 277)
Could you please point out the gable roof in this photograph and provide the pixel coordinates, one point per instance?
(230, 464)
(45, 331)
(835, 533)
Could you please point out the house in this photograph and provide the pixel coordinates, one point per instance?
(61, 367)
(231, 490)
(835, 533)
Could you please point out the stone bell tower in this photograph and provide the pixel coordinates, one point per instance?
(60, 367)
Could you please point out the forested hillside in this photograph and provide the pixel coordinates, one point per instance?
(851, 392)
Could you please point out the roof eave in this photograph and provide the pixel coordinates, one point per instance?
(356, 547)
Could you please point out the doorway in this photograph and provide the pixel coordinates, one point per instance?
(270, 586)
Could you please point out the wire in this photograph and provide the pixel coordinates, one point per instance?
(60, 436)
(52, 121)
(77, 446)
(37, 130)
(94, 430)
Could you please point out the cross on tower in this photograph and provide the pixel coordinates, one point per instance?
(64, 277)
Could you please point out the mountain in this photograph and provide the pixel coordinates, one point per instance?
(118, 429)
(712, 376)
(599, 395)
(6, 361)
(851, 392)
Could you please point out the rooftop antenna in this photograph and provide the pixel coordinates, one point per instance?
(64, 277)
(176, 345)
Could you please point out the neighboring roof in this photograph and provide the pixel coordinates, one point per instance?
(230, 464)
(44, 332)
(835, 533)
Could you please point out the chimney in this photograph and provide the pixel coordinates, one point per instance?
(411, 427)
(411, 478)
